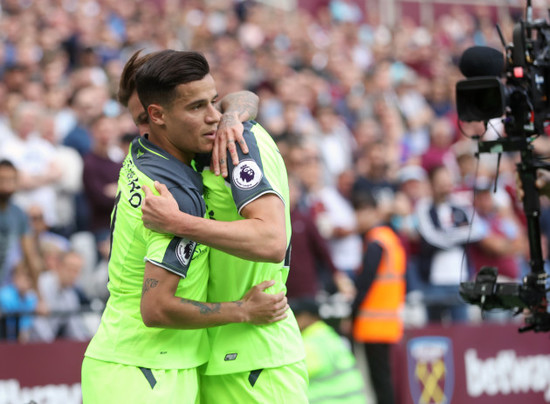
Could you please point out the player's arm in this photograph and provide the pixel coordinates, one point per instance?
(236, 107)
(161, 308)
(260, 237)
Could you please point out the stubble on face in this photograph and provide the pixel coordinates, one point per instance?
(191, 120)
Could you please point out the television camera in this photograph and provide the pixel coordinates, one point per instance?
(516, 88)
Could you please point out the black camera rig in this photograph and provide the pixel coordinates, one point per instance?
(521, 97)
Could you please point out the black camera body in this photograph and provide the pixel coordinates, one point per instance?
(515, 88)
(520, 92)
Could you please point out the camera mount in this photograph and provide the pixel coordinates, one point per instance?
(523, 103)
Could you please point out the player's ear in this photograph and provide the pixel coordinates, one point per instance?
(156, 114)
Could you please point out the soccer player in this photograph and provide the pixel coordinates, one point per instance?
(247, 364)
(152, 338)
(236, 107)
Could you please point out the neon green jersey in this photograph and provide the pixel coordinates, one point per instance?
(333, 373)
(242, 347)
(122, 336)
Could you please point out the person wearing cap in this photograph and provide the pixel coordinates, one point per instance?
(334, 377)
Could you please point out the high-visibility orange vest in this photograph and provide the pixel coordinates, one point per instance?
(378, 319)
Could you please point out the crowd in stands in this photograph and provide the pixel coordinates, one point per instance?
(355, 107)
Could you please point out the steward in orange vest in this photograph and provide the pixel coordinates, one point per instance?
(380, 284)
(380, 288)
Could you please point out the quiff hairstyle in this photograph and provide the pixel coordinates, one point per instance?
(127, 83)
(157, 79)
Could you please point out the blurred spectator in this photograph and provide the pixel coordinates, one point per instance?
(331, 211)
(376, 310)
(64, 300)
(20, 298)
(312, 269)
(334, 377)
(504, 243)
(87, 104)
(366, 132)
(34, 158)
(417, 112)
(413, 187)
(440, 152)
(94, 278)
(69, 184)
(466, 165)
(16, 242)
(445, 228)
(335, 142)
(100, 175)
(41, 232)
(375, 177)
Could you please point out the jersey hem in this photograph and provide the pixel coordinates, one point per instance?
(253, 366)
(148, 365)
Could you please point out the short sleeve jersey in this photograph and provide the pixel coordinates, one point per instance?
(242, 347)
(122, 336)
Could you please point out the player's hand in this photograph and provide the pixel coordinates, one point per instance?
(264, 308)
(230, 131)
(158, 211)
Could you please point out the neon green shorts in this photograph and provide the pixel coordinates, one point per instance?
(283, 385)
(109, 382)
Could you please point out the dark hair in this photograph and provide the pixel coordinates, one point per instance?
(157, 79)
(7, 163)
(363, 199)
(127, 83)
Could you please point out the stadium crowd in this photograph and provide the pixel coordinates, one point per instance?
(357, 108)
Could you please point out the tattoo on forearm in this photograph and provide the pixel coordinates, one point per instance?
(248, 107)
(149, 283)
(241, 103)
(204, 308)
(229, 120)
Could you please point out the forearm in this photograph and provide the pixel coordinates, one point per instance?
(252, 239)
(190, 314)
(160, 307)
(243, 103)
(260, 236)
